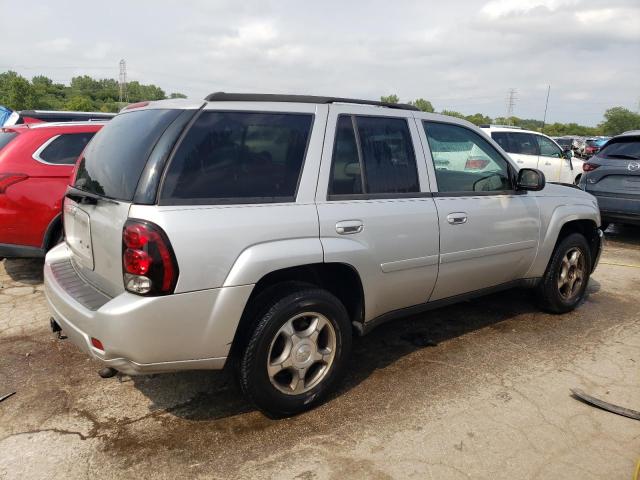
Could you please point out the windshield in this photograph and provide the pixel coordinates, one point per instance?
(622, 148)
(113, 161)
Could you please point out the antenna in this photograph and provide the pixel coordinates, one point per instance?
(124, 95)
(511, 102)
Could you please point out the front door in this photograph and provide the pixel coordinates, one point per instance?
(376, 213)
(488, 231)
(551, 161)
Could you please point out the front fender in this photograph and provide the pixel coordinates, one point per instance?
(561, 215)
(258, 260)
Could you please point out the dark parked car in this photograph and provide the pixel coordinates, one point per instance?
(613, 176)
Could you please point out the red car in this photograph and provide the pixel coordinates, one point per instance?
(36, 162)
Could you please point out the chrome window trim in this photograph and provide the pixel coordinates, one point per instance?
(36, 155)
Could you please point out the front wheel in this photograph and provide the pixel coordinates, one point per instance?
(565, 282)
(297, 352)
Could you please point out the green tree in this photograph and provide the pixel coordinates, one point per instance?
(478, 119)
(177, 95)
(452, 113)
(618, 120)
(393, 98)
(79, 103)
(423, 105)
(16, 92)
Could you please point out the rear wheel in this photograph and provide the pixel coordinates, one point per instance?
(297, 352)
(565, 281)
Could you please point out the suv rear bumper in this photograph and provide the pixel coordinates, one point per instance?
(141, 335)
(618, 208)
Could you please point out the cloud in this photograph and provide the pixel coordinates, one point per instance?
(99, 51)
(503, 8)
(55, 45)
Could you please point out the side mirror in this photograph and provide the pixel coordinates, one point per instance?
(530, 179)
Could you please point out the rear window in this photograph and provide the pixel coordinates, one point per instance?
(239, 157)
(628, 149)
(65, 149)
(6, 137)
(113, 162)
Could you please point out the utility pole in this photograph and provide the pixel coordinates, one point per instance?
(124, 96)
(511, 102)
(544, 120)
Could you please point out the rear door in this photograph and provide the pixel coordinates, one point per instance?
(375, 207)
(97, 207)
(556, 168)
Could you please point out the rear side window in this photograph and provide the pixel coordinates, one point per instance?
(6, 137)
(113, 162)
(373, 155)
(64, 149)
(239, 157)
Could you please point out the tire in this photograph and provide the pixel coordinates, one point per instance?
(604, 225)
(282, 348)
(560, 294)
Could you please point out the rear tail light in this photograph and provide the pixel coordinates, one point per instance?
(9, 179)
(476, 164)
(97, 344)
(148, 262)
(589, 167)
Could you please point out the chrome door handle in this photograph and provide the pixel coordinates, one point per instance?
(457, 218)
(348, 227)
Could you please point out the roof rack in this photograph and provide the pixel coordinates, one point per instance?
(269, 97)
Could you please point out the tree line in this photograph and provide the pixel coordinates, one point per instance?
(82, 94)
(616, 120)
(85, 93)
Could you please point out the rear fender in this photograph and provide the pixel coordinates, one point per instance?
(258, 260)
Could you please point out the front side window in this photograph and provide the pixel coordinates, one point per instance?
(239, 156)
(65, 149)
(523, 144)
(464, 161)
(374, 156)
(548, 148)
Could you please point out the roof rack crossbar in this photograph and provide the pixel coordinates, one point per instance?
(270, 97)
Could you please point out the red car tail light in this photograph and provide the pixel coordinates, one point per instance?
(97, 344)
(476, 164)
(148, 262)
(8, 179)
(589, 167)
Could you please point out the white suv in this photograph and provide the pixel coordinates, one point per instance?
(531, 149)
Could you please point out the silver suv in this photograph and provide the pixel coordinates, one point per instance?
(263, 231)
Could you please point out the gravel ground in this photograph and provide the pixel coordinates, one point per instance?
(476, 390)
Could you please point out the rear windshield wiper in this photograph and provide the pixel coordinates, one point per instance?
(80, 196)
(622, 155)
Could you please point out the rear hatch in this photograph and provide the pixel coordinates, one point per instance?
(616, 169)
(108, 176)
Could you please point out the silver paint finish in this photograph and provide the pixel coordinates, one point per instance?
(406, 251)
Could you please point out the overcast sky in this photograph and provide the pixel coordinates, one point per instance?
(461, 54)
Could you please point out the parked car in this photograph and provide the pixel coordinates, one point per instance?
(36, 162)
(593, 146)
(531, 149)
(264, 230)
(38, 116)
(613, 176)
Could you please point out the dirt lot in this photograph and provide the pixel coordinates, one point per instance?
(477, 390)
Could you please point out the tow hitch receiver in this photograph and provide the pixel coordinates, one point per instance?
(55, 328)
